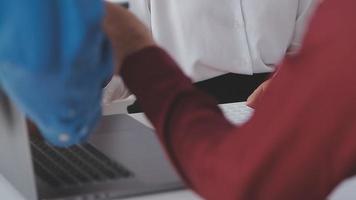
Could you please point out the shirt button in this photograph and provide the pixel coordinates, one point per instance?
(64, 137)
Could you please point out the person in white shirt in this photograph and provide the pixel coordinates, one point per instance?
(228, 47)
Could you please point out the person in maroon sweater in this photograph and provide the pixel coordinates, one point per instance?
(301, 141)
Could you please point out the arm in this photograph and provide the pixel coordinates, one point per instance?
(299, 144)
(54, 61)
(284, 155)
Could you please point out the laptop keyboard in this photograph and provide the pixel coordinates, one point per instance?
(74, 166)
(237, 113)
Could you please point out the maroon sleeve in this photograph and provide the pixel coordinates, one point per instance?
(301, 141)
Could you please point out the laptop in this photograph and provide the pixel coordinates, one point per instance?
(123, 158)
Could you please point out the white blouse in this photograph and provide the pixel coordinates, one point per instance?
(213, 37)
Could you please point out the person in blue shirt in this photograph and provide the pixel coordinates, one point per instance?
(54, 62)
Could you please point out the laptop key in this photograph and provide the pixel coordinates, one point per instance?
(48, 164)
(63, 163)
(46, 176)
(87, 168)
(77, 165)
(119, 169)
(94, 162)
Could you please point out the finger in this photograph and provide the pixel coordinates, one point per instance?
(252, 99)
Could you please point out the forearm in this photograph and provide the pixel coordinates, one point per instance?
(183, 116)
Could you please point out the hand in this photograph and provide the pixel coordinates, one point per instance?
(127, 34)
(256, 95)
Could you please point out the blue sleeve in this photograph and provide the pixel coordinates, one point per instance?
(54, 61)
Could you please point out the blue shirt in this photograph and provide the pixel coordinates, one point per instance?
(54, 61)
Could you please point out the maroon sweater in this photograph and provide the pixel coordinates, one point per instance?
(301, 141)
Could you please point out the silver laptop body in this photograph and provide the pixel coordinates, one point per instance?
(123, 158)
